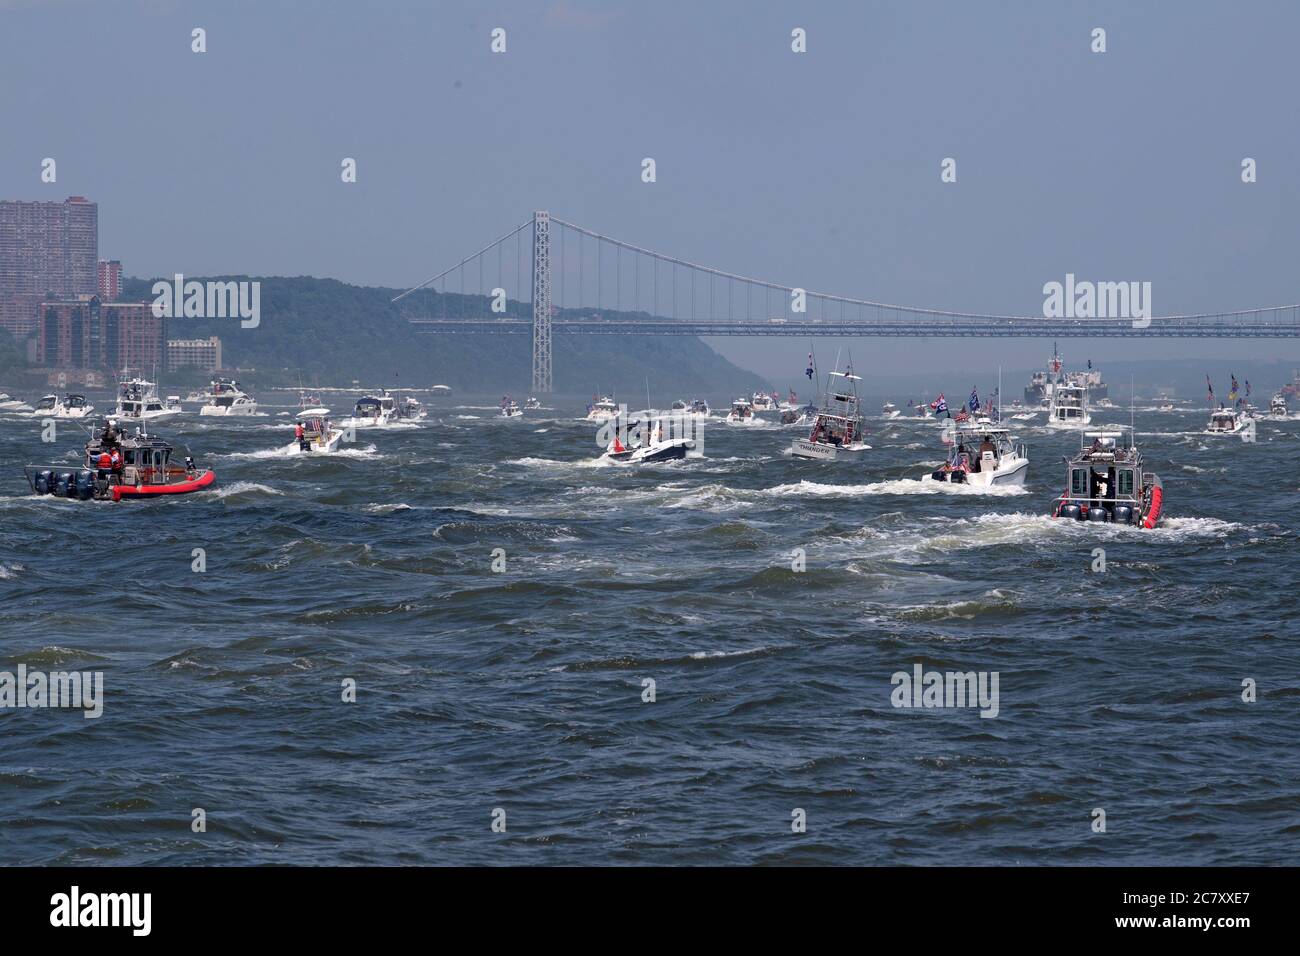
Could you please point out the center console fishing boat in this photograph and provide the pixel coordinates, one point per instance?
(837, 431)
(227, 398)
(320, 436)
(1108, 482)
(121, 466)
(984, 454)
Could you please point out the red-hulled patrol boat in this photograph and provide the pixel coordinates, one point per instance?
(121, 466)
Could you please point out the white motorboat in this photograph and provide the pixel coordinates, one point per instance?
(984, 454)
(1229, 421)
(319, 435)
(70, 406)
(1276, 406)
(1165, 405)
(695, 408)
(372, 411)
(889, 410)
(764, 403)
(138, 401)
(742, 413)
(173, 404)
(411, 409)
(1068, 407)
(533, 403)
(10, 404)
(837, 431)
(1024, 416)
(602, 410)
(510, 408)
(227, 398)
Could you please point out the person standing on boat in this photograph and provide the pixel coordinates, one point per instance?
(115, 459)
(300, 434)
(104, 465)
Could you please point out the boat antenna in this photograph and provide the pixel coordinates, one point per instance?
(1131, 398)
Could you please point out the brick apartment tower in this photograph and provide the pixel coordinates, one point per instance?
(45, 247)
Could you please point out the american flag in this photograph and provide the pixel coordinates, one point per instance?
(974, 403)
(809, 370)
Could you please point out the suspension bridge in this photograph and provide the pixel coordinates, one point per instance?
(548, 275)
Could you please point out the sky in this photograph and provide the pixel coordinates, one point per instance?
(818, 169)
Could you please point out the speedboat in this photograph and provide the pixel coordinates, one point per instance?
(654, 444)
(372, 411)
(70, 406)
(764, 403)
(1107, 482)
(1276, 406)
(10, 404)
(510, 408)
(695, 408)
(837, 431)
(138, 401)
(1228, 421)
(742, 413)
(1165, 405)
(319, 435)
(411, 409)
(602, 410)
(1068, 407)
(145, 470)
(173, 404)
(984, 454)
(227, 398)
(889, 410)
(533, 403)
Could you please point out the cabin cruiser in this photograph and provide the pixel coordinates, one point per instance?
(1068, 407)
(1276, 406)
(890, 410)
(70, 406)
(695, 408)
(319, 435)
(602, 410)
(764, 403)
(173, 404)
(984, 454)
(1228, 421)
(372, 411)
(837, 431)
(227, 398)
(1107, 482)
(10, 404)
(411, 409)
(138, 401)
(510, 408)
(742, 413)
(653, 444)
(533, 403)
(143, 468)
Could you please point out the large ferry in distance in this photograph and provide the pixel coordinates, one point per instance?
(1039, 389)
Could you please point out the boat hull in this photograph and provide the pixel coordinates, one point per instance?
(203, 480)
(821, 451)
(1011, 474)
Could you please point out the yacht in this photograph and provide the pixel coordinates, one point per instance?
(1229, 421)
(411, 409)
(602, 410)
(984, 454)
(227, 398)
(138, 401)
(1107, 482)
(1068, 407)
(70, 406)
(764, 403)
(837, 431)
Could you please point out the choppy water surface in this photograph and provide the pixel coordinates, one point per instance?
(523, 690)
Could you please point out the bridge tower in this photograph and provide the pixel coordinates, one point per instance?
(541, 301)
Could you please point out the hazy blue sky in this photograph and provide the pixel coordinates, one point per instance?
(819, 170)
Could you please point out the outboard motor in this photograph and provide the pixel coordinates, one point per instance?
(1071, 511)
(1123, 514)
(1098, 513)
(44, 482)
(86, 485)
(65, 486)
